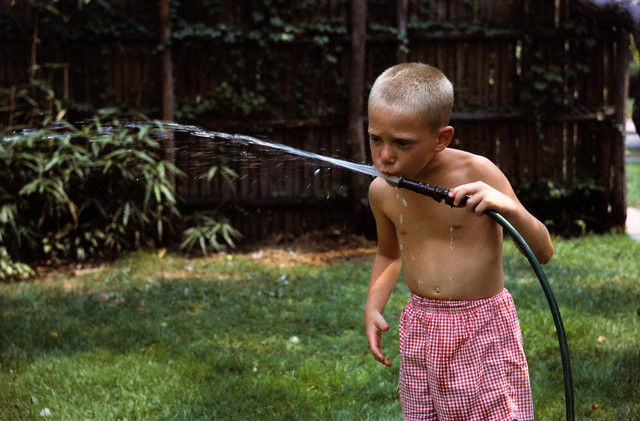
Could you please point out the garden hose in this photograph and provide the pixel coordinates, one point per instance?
(440, 193)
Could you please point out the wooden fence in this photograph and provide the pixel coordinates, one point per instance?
(488, 49)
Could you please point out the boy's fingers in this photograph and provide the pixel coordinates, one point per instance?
(379, 356)
(374, 342)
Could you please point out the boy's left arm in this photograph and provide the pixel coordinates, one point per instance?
(502, 199)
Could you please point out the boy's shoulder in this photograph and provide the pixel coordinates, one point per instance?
(378, 185)
(467, 167)
(467, 162)
(461, 157)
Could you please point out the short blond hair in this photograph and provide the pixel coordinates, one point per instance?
(414, 88)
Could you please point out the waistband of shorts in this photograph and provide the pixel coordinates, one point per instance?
(458, 305)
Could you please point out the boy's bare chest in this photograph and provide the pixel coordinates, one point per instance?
(418, 216)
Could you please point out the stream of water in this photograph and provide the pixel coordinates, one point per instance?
(213, 135)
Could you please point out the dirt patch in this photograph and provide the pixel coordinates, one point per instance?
(314, 248)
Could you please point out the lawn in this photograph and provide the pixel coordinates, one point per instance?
(633, 183)
(160, 336)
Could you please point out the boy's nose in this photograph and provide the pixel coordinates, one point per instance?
(386, 155)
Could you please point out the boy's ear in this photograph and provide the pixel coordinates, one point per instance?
(445, 135)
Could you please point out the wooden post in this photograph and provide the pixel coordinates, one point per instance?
(356, 80)
(619, 192)
(167, 66)
(356, 101)
(167, 83)
(403, 9)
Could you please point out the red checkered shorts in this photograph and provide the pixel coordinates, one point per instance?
(463, 360)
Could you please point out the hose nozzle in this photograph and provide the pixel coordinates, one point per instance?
(437, 193)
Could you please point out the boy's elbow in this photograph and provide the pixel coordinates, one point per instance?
(544, 256)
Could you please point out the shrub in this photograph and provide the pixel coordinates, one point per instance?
(98, 189)
(75, 192)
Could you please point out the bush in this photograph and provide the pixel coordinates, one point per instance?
(205, 232)
(70, 193)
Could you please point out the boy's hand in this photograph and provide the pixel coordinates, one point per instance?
(375, 325)
(481, 197)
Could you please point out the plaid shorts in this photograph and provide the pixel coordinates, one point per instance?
(463, 360)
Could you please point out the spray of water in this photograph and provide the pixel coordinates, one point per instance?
(224, 139)
(212, 135)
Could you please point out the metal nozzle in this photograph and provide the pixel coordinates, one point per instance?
(437, 193)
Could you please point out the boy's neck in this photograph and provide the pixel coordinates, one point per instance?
(434, 168)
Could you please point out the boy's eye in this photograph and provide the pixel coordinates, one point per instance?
(374, 139)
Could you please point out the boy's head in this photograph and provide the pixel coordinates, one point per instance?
(414, 89)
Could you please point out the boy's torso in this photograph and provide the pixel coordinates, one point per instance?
(446, 253)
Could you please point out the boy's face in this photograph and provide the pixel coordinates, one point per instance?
(401, 145)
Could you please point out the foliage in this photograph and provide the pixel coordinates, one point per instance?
(160, 336)
(565, 208)
(70, 192)
(76, 192)
(10, 269)
(251, 59)
(95, 190)
(549, 69)
(634, 79)
(29, 104)
(206, 231)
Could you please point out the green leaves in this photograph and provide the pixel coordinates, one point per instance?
(96, 190)
(207, 233)
(73, 193)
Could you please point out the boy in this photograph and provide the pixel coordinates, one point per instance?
(460, 341)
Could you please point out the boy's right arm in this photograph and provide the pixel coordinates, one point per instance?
(384, 275)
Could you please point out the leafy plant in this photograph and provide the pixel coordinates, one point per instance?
(10, 269)
(208, 232)
(76, 192)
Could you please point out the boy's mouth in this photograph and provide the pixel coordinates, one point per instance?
(389, 173)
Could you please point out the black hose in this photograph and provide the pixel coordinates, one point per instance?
(562, 337)
(440, 193)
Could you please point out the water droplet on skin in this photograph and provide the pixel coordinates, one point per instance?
(401, 245)
(404, 203)
(401, 218)
(451, 238)
(451, 249)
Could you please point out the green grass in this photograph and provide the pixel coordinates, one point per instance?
(155, 338)
(633, 183)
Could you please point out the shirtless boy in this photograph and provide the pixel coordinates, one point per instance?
(460, 341)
